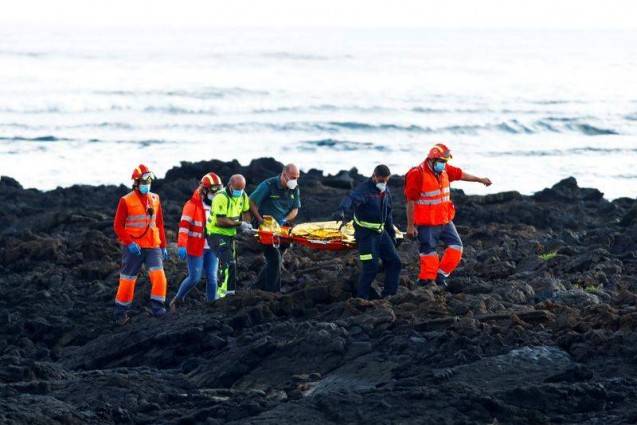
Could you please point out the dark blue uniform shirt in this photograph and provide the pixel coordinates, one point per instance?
(273, 199)
(369, 204)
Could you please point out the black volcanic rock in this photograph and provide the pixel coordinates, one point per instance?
(539, 324)
(7, 182)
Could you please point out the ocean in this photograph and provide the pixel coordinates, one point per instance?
(525, 108)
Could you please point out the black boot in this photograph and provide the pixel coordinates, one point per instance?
(120, 315)
(174, 304)
(426, 283)
(441, 281)
(158, 308)
(122, 319)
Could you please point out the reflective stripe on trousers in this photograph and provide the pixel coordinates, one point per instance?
(429, 238)
(374, 247)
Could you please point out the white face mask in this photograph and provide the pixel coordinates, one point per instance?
(210, 196)
(381, 186)
(292, 184)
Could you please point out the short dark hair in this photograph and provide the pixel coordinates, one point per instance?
(382, 171)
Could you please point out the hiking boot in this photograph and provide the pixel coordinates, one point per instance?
(174, 303)
(122, 319)
(441, 281)
(159, 312)
(158, 308)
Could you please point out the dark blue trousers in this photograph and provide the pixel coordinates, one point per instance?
(372, 248)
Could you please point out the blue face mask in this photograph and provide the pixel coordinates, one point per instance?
(439, 166)
(236, 193)
(144, 188)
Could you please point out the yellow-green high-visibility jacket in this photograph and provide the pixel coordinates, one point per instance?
(224, 205)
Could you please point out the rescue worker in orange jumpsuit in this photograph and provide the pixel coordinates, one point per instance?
(430, 214)
(139, 225)
(193, 246)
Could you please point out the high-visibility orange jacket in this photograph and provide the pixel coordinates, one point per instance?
(139, 219)
(431, 194)
(191, 226)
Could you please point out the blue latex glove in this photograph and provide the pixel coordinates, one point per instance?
(164, 253)
(134, 249)
(182, 252)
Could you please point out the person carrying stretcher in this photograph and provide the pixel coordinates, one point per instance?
(369, 206)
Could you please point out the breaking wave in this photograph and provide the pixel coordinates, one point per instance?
(563, 152)
(201, 93)
(339, 145)
(511, 127)
(47, 138)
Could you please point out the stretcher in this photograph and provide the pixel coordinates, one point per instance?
(320, 236)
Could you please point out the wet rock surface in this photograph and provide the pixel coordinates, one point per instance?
(538, 325)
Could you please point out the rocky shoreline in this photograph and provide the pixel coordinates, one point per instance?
(538, 326)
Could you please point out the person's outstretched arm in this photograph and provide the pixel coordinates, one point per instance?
(471, 178)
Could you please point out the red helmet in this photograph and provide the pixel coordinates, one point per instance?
(210, 179)
(142, 172)
(440, 151)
